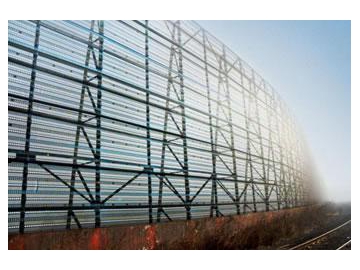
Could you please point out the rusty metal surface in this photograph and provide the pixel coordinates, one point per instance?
(251, 231)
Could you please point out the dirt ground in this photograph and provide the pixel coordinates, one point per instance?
(332, 215)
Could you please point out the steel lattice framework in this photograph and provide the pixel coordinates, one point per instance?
(119, 122)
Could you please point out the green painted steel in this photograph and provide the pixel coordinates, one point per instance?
(122, 122)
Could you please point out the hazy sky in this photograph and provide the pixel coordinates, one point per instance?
(308, 63)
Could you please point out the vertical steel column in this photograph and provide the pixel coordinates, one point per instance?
(225, 106)
(232, 144)
(292, 171)
(248, 161)
(282, 171)
(291, 164)
(183, 121)
(164, 140)
(28, 129)
(260, 141)
(249, 158)
(148, 138)
(97, 154)
(98, 125)
(270, 116)
(288, 169)
(214, 188)
(244, 192)
(175, 55)
(252, 96)
(78, 129)
(214, 201)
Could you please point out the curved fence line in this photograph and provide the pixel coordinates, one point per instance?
(121, 122)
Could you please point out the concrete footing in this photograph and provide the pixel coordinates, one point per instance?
(250, 231)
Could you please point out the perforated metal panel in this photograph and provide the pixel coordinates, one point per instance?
(119, 122)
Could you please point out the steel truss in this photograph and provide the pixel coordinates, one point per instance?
(119, 122)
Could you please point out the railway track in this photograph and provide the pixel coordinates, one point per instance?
(344, 245)
(316, 239)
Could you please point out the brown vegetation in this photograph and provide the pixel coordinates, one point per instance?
(263, 230)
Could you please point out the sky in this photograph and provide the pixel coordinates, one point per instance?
(308, 63)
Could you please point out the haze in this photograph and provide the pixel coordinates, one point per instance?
(308, 63)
